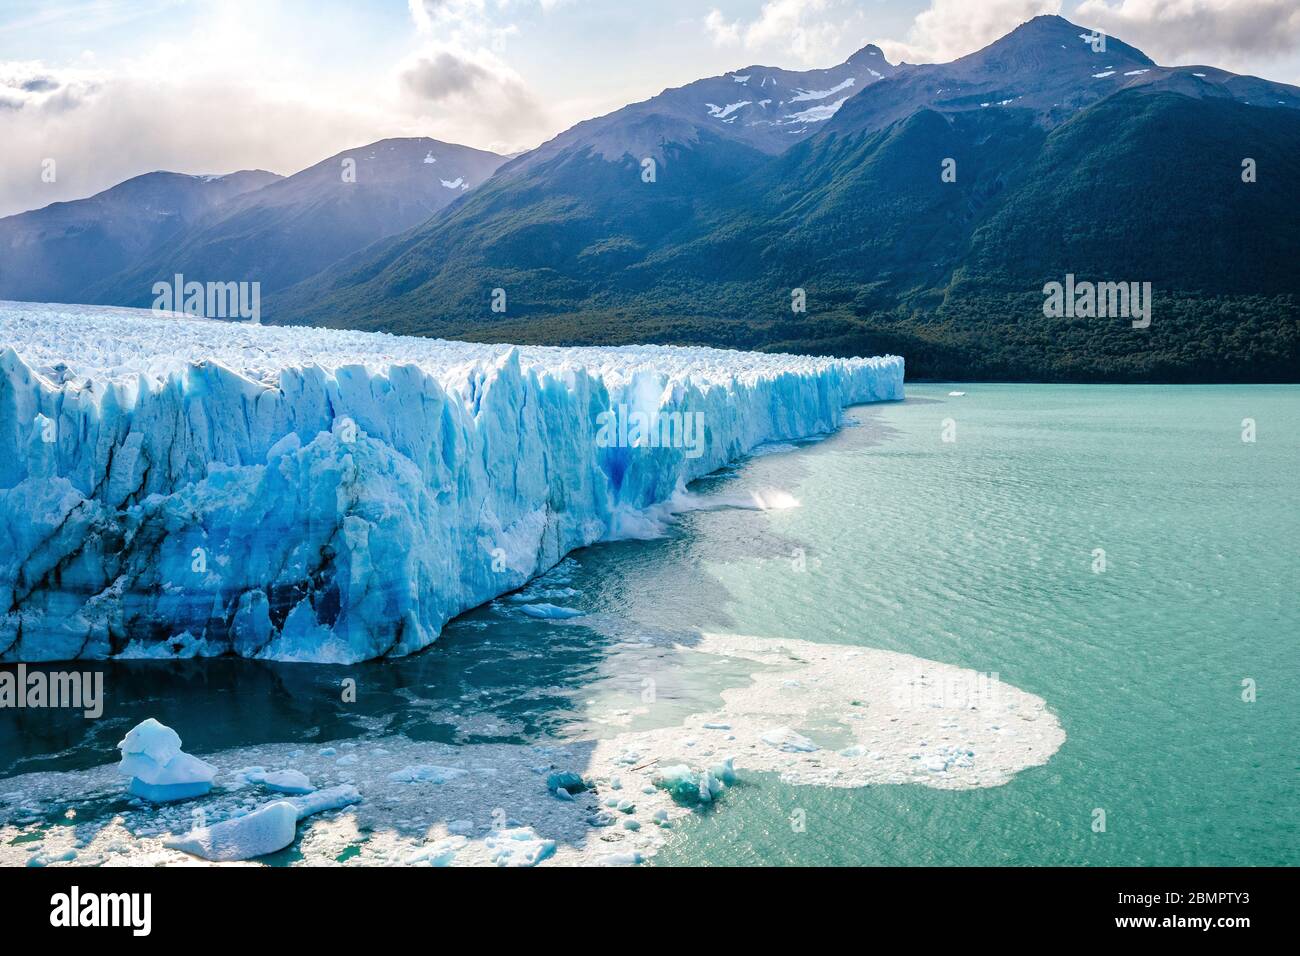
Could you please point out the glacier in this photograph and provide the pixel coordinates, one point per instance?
(176, 486)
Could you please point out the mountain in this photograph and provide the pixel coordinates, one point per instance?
(297, 226)
(763, 107)
(1067, 161)
(57, 253)
(583, 206)
(1049, 68)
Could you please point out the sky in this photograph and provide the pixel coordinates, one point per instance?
(110, 89)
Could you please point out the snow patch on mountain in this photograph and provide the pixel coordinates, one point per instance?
(822, 94)
(722, 112)
(816, 114)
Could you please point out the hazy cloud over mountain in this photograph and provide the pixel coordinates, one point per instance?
(948, 29)
(1218, 30)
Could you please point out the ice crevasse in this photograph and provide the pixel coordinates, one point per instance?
(178, 486)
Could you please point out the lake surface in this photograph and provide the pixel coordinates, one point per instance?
(983, 551)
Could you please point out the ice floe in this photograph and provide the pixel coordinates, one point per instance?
(870, 717)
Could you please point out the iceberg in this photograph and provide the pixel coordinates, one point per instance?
(159, 770)
(686, 785)
(264, 830)
(269, 828)
(173, 485)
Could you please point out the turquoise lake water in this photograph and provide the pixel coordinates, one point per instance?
(980, 552)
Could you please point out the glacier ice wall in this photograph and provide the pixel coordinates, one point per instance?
(174, 486)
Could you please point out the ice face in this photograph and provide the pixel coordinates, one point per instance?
(176, 487)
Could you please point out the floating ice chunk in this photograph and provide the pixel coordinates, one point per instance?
(783, 738)
(159, 770)
(544, 594)
(565, 780)
(621, 859)
(724, 771)
(287, 781)
(519, 846)
(331, 798)
(1104, 73)
(44, 859)
(549, 611)
(439, 853)
(283, 781)
(265, 830)
(426, 773)
(686, 785)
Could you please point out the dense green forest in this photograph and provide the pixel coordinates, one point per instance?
(1140, 187)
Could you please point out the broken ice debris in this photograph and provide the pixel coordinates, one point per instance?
(695, 786)
(282, 781)
(520, 846)
(439, 853)
(159, 770)
(426, 773)
(783, 738)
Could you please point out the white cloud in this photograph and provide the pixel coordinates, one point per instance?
(30, 85)
(459, 72)
(233, 91)
(791, 31)
(1217, 32)
(489, 100)
(948, 29)
(720, 31)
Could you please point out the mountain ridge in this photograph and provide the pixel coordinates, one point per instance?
(858, 216)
